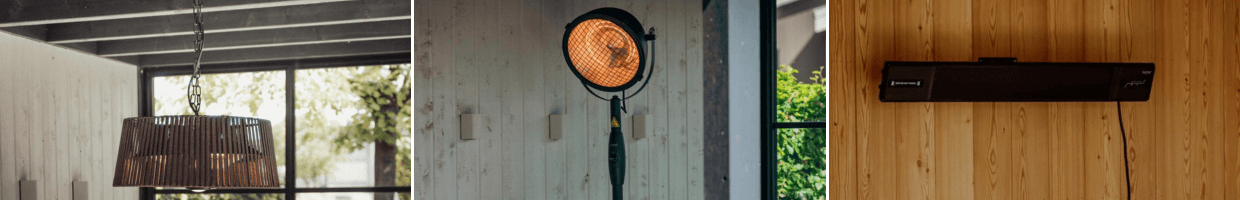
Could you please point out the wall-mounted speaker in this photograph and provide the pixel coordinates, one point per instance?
(29, 190)
(81, 190)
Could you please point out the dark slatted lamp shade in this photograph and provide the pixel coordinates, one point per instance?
(196, 152)
(602, 49)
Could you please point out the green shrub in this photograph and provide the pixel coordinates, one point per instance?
(802, 168)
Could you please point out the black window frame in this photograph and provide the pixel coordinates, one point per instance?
(290, 67)
(769, 124)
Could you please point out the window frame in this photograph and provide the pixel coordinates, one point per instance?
(769, 124)
(146, 109)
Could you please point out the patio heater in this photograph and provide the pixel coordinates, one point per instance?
(604, 49)
(196, 152)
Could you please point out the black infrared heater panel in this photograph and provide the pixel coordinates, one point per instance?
(1005, 80)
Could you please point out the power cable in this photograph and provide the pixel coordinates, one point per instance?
(1123, 135)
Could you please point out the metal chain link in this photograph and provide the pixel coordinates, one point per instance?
(194, 93)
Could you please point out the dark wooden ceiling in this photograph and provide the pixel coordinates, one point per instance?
(158, 33)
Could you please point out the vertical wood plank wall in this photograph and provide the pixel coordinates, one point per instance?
(60, 114)
(503, 58)
(1183, 144)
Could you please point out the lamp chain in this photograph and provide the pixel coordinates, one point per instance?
(194, 93)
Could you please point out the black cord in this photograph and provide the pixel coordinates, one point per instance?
(624, 106)
(1123, 135)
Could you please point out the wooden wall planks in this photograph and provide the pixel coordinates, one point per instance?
(489, 72)
(578, 147)
(511, 101)
(502, 57)
(1143, 148)
(555, 100)
(1182, 143)
(877, 177)
(1227, 34)
(465, 19)
(444, 97)
(8, 154)
(694, 106)
(58, 118)
(96, 138)
(657, 91)
(529, 85)
(423, 136)
(843, 130)
(36, 136)
(676, 64)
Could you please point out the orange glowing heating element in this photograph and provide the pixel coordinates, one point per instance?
(603, 52)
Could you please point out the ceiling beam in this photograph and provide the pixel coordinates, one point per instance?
(233, 21)
(38, 32)
(87, 47)
(261, 38)
(15, 14)
(373, 47)
(309, 63)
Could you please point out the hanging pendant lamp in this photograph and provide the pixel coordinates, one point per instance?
(194, 151)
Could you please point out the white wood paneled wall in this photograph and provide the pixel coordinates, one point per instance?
(504, 58)
(60, 114)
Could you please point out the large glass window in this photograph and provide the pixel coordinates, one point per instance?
(799, 94)
(353, 125)
(802, 161)
(263, 98)
(801, 51)
(351, 132)
(801, 146)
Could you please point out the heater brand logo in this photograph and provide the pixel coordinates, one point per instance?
(905, 83)
(614, 123)
(1134, 83)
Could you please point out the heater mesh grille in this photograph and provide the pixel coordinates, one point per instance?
(603, 52)
(196, 151)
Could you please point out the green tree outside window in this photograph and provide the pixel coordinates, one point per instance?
(802, 169)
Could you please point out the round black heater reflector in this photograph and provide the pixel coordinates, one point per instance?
(604, 49)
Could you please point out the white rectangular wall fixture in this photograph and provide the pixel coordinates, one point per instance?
(474, 126)
(642, 126)
(29, 190)
(556, 127)
(81, 190)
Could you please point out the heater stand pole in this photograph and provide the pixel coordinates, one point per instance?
(615, 149)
